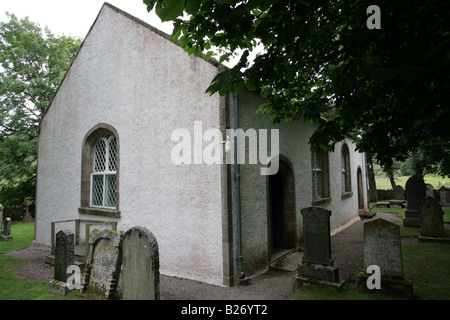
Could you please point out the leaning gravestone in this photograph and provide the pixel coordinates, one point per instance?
(103, 264)
(140, 269)
(64, 258)
(432, 228)
(383, 248)
(317, 262)
(415, 193)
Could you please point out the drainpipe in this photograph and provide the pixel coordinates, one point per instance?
(238, 186)
(367, 181)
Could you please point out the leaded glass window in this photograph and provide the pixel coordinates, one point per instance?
(103, 177)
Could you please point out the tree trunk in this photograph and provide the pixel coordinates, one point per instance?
(373, 197)
(390, 174)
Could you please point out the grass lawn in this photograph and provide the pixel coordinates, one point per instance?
(436, 181)
(401, 212)
(16, 288)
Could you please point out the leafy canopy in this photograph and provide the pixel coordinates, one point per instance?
(387, 87)
(32, 65)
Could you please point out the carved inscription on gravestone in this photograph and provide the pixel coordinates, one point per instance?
(316, 233)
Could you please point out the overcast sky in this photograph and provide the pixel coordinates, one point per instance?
(74, 17)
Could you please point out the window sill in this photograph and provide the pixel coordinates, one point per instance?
(346, 195)
(110, 213)
(321, 201)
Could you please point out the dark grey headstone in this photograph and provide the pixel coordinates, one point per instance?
(317, 261)
(103, 264)
(432, 219)
(415, 192)
(382, 247)
(316, 236)
(64, 254)
(140, 269)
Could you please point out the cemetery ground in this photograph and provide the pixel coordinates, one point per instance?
(426, 264)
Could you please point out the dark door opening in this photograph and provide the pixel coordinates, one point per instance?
(277, 212)
(282, 222)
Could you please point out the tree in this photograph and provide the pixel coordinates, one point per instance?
(33, 63)
(388, 86)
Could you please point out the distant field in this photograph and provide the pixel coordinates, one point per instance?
(435, 181)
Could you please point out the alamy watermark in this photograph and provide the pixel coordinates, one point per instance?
(209, 147)
(374, 20)
(374, 280)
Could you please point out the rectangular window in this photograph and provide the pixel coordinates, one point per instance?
(321, 183)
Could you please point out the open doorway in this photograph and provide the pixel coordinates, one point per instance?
(282, 215)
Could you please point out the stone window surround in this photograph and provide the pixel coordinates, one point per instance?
(87, 160)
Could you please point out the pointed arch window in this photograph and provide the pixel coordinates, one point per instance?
(346, 172)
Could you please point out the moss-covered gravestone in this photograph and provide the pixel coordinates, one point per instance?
(140, 269)
(103, 264)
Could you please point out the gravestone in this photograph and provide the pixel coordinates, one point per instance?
(317, 262)
(5, 232)
(140, 269)
(383, 248)
(429, 192)
(64, 257)
(399, 193)
(7, 227)
(64, 254)
(444, 194)
(432, 228)
(27, 217)
(415, 193)
(103, 264)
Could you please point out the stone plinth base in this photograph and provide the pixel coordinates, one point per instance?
(5, 238)
(319, 272)
(388, 286)
(58, 287)
(434, 239)
(300, 281)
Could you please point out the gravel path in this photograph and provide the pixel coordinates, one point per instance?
(347, 253)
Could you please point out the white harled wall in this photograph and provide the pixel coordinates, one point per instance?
(145, 86)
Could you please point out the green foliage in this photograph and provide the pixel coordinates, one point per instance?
(388, 87)
(32, 65)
